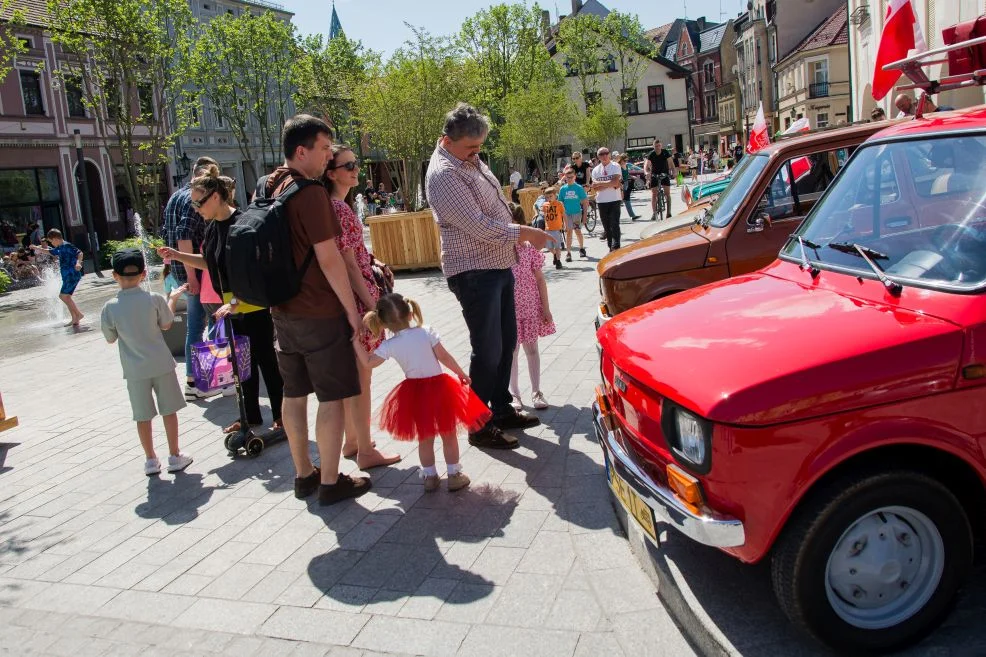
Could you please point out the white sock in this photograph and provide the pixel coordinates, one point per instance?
(430, 471)
(453, 469)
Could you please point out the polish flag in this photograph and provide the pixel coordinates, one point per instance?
(901, 34)
(800, 166)
(800, 125)
(758, 135)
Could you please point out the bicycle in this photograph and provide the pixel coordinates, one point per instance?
(591, 217)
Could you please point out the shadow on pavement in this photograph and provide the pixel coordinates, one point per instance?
(398, 551)
(176, 498)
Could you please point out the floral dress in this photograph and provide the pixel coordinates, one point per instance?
(527, 297)
(352, 238)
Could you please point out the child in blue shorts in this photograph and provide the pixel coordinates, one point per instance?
(70, 265)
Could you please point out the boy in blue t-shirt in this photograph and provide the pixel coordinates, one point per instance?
(70, 265)
(573, 196)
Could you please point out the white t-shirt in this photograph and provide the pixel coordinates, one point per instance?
(515, 179)
(604, 173)
(412, 349)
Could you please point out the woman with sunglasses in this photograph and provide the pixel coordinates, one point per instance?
(341, 178)
(212, 198)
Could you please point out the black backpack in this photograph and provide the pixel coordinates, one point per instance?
(259, 258)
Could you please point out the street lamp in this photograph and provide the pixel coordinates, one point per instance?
(84, 201)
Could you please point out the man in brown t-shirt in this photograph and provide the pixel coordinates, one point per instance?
(316, 327)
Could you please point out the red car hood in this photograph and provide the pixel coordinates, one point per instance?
(758, 350)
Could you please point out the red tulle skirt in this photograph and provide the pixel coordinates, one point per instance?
(427, 408)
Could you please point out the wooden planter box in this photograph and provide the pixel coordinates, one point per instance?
(527, 197)
(406, 240)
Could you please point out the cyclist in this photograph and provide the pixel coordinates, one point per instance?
(657, 170)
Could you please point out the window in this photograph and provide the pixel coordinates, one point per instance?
(111, 96)
(145, 96)
(819, 71)
(630, 104)
(31, 90)
(691, 109)
(711, 108)
(26, 41)
(655, 98)
(709, 70)
(821, 119)
(193, 118)
(219, 120)
(26, 197)
(609, 64)
(811, 173)
(73, 94)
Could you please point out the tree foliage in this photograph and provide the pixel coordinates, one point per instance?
(604, 125)
(624, 39)
(581, 43)
(536, 120)
(242, 65)
(326, 73)
(12, 17)
(130, 60)
(402, 104)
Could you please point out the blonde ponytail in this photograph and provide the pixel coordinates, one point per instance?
(373, 323)
(415, 311)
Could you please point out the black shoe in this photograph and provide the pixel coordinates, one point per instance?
(345, 488)
(516, 420)
(492, 437)
(568, 257)
(557, 263)
(582, 253)
(305, 486)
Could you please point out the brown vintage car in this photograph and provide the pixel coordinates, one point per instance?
(742, 231)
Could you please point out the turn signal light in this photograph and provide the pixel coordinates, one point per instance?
(601, 401)
(685, 487)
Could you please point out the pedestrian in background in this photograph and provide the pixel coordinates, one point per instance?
(607, 183)
(627, 185)
(134, 319)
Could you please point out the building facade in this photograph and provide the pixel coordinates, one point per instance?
(211, 136)
(813, 79)
(704, 53)
(727, 93)
(754, 77)
(866, 18)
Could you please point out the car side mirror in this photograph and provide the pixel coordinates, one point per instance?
(757, 222)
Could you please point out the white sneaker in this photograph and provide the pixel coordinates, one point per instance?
(178, 463)
(192, 393)
(517, 404)
(152, 467)
(229, 391)
(539, 402)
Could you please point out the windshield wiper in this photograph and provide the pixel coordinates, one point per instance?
(805, 262)
(869, 255)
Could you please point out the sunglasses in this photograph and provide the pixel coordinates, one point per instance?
(604, 153)
(199, 203)
(348, 166)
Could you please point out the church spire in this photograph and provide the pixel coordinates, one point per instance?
(335, 27)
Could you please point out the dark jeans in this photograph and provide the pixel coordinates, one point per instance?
(487, 300)
(609, 214)
(259, 327)
(626, 201)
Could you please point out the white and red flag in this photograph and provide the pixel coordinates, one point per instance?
(800, 166)
(758, 134)
(901, 34)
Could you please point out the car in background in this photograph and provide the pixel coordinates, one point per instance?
(825, 412)
(637, 175)
(740, 232)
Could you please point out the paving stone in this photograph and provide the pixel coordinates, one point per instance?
(145, 606)
(428, 599)
(621, 590)
(550, 553)
(225, 616)
(70, 598)
(418, 637)
(574, 610)
(316, 625)
(655, 634)
(237, 581)
(522, 603)
(345, 597)
(489, 641)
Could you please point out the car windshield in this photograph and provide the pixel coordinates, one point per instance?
(916, 208)
(739, 187)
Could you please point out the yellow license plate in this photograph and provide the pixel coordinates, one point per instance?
(635, 506)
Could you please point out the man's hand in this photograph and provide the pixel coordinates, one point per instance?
(538, 238)
(355, 323)
(224, 310)
(167, 253)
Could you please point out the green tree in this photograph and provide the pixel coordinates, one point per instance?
(11, 18)
(326, 72)
(631, 50)
(581, 43)
(242, 65)
(536, 120)
(604, 125)
(403, 102)
(130, 59)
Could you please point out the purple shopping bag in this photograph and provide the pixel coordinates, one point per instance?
(212, 366)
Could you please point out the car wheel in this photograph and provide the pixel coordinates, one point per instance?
(873, 563)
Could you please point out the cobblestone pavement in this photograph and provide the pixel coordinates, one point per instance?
(96, 559)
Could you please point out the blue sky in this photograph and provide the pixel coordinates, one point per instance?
(380, 24)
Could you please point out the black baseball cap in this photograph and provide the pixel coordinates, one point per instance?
(128, 262)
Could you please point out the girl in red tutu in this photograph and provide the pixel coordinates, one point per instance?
(428, 403)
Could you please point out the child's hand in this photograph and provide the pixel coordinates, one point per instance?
(546, 315)
(178, 291)
(78, 266)
(464, 379)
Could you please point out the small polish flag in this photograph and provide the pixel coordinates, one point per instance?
(800, 166)
(758, 135)
(901, 34)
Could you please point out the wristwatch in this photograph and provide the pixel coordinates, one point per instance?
(233, 301)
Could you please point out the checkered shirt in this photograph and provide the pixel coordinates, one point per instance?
(472, 215)
(182, 222)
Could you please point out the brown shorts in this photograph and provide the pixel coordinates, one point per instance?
(316, 355)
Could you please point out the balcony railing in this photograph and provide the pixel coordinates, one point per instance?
(818, 90)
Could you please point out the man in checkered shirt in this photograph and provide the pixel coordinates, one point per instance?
(183, 230)
(478, 239)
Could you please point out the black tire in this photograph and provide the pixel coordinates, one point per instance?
(590, 221)
(254, 447)
(801, 556)
(639, 184)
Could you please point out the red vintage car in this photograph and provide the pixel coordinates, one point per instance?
(827, 412)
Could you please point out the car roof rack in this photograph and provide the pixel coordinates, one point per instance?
(912, 68)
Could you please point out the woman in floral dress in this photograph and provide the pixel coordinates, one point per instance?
(534, 319)
(341, 177)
